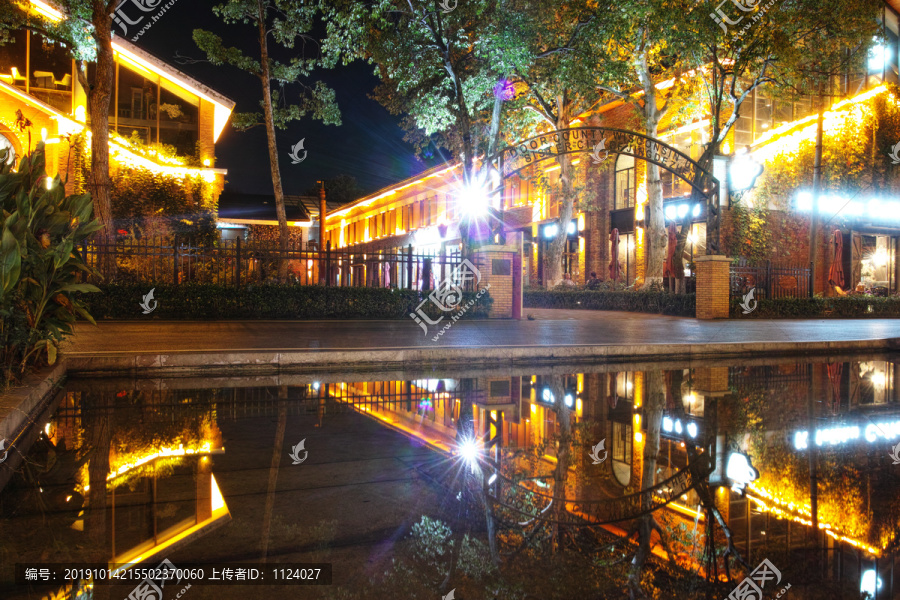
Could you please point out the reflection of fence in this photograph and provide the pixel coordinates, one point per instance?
(771, 280)
(236, 262)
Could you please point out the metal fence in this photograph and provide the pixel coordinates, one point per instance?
(771, 280)
(178, 260)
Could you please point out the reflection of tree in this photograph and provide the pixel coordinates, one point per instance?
(97, 419)
(707, 501)
(277, 450)
(647, 524)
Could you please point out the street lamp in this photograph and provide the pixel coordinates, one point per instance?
(742, 174)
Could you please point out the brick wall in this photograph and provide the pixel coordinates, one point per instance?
(501, 285)
(713, 293)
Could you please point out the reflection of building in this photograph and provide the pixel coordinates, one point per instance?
(153, 103)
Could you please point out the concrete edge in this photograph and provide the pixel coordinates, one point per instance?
(262, 362)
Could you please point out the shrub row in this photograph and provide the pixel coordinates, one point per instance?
(269, 301)
(664, 303)
(836, 307)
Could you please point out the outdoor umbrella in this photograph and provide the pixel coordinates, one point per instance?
(614, 252)
(669, 270)
(836, 272)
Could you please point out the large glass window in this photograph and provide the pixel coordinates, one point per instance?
(13, 61)
(137, 104)
(51, 74)
(179, 113)
(625, 181)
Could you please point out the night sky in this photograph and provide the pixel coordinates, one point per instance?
(368, 145)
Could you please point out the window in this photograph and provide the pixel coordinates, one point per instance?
(625, 181)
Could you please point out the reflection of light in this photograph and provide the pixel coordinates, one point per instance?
(47, 429)
(492, 479)
(161, 453)
(878, 379)
(880, 258)
(638, 437)
(217, 500)
(869, 582)
(48, 182)
(667, 424)
(569, 400)
(739, 470)
(692, 429)
(468, 450)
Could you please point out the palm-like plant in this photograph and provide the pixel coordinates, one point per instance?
(39, 266)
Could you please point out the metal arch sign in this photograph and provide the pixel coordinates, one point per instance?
(515, 158)
(609, 141)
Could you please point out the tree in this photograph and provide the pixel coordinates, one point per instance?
(85, 30)
(776, 46)
(561, 60)
(437, 66)
(285, 22)
(652, 48)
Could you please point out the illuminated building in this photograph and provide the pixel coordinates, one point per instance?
(152, 104)
(424, 211)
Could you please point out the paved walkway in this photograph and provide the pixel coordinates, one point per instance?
(551, 328)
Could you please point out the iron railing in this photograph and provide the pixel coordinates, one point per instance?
(237, 262)
(771, 280)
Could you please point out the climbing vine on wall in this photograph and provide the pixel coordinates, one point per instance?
(751, 235)
(855, 155)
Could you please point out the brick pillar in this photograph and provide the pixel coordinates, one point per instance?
(713, 286)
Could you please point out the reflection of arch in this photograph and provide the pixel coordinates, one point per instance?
(9, 139)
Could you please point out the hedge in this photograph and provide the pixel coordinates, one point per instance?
(683, 305)
(836, 307)
(270, 301)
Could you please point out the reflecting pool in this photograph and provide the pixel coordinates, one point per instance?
(774, 478)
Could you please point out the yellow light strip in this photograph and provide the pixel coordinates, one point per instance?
(164, 452)
(47, 10)
(368, 201)
(782, 131)
(801, 514)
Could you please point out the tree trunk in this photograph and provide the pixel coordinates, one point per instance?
(283, 234)
(653, 409)
(567, 198)
(98, 96)
(656, 227)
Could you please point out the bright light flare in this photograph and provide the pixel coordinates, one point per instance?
(468, 450)
(473, 199)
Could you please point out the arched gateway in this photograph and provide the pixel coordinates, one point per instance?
(601, 143)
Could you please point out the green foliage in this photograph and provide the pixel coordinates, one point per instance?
(683, 305)
(835, 307)
(855, 156)
(208, 301)
(751, 236)
(39, 270)
(286, 22)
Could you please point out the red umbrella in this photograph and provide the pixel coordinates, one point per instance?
(836, 272)
(669, 270)
(614, 252)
